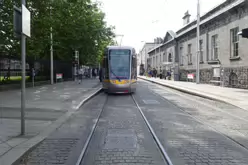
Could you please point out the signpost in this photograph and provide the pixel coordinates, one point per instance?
(76, 64)
(33, 75)
(59, 76)
(190, 77)
(21, 23)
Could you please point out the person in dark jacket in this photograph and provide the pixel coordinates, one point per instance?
(100, 74)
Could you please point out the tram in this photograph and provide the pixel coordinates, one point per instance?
(119, 69)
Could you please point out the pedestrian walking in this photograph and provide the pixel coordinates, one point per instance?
(100, 74)
(80, 75)
(95, 72)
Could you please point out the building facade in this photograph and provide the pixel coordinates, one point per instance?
(143, 54)
(223, 54)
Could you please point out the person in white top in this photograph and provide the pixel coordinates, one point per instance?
(80, 75)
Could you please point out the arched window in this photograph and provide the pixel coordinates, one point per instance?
(233, 80)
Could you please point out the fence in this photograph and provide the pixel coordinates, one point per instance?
(10, 70)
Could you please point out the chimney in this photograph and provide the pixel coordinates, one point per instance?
(155, 40)
(186, 18)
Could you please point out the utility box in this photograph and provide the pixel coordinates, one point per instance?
(244, 33)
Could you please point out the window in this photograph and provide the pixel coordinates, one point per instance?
(214, 48)
(156, 61)
(164, 59)
(153, 62)
(201, 50)
(119, 63)
(234, 42)
(170, 58)
(233, 80)
(181, 55)
(189, 54)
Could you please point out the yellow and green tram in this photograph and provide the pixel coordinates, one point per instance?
(119, 69)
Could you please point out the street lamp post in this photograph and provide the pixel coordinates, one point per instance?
(198, 44)
(23, 90)
(142, 66)
(142, 53)
(156, 21)
(51, 49)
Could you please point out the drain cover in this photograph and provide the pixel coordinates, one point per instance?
(120, 139)
(150, 101)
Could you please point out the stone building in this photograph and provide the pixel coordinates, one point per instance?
(143, 54)
(223, 54)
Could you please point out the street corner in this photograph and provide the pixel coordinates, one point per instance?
(78, 102)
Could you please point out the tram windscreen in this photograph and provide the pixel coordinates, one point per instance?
(119, 63)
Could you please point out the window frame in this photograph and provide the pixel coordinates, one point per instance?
(201, 50)
(214, 47)
(189, 51)
(234, 52)
(181, 55)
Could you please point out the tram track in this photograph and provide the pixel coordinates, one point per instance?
(82, 154)
(149, 128)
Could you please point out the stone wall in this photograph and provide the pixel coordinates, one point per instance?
(235, 77)
(205, 75)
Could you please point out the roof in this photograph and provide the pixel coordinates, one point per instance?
(120, 47)
(215, 12)
(172, 34)
(147, 43)
(227, 5)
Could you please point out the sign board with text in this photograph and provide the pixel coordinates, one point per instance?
(190, 76)
(59, 76)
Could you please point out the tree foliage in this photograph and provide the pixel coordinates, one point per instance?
(76, 25)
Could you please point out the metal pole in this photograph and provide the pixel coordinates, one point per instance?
(160, 63)
(145, 62)
(23, 92)
(198, 44)
(33, 77)
(51, 48)
(155, 54)
(142, 57)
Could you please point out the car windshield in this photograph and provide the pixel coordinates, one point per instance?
(119, 64)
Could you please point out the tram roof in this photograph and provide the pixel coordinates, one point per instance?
(120, 47)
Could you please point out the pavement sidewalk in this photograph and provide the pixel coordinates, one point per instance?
(47, 108)
(236, 97)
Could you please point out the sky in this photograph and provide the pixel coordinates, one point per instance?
(144, 20)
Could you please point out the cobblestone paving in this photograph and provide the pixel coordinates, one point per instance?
(63, 146)
(51, 151)
(121, 137)
(227, 119)
(187, 141)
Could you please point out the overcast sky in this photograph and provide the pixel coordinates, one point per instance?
(143, 20)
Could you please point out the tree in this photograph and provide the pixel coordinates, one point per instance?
(76, 24)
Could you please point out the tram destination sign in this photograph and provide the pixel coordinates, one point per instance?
(120, 52)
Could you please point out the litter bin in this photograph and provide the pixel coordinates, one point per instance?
(160, 76)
